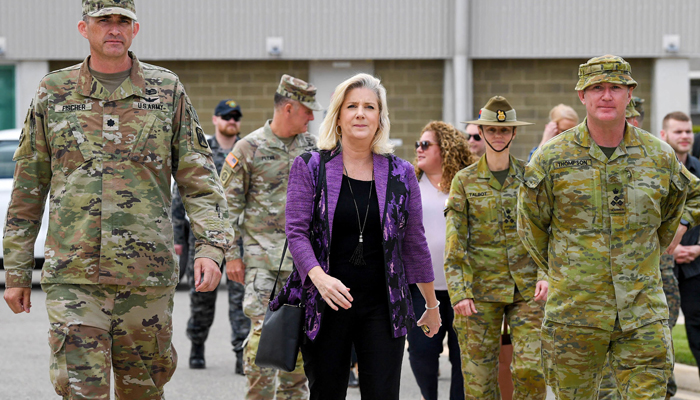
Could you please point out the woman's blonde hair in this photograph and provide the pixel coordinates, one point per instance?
(562, 111)
(454, 149)
(328, 137)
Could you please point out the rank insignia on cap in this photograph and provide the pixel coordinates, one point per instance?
(500, 116)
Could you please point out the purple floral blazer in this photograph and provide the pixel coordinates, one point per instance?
(312, 196)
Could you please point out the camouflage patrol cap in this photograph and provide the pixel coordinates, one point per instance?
(607, 68)
(497, 112)
(298, 90)
(99, 8)
(630, 111)
(638, 105)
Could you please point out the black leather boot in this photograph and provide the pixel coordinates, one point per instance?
(197, 357)
(239, 363)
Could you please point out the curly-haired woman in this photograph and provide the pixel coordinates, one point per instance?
(440, 153)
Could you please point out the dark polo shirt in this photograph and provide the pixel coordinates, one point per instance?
(691, 237)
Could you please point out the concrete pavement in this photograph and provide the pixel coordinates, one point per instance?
(24, 356)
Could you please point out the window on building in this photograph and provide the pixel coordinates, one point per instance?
(695, 101)
(7, 96)
(695, 97)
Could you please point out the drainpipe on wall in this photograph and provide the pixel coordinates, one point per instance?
(462, 65)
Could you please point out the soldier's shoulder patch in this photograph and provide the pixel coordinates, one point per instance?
(231, 160)
(26, 145)
(532, 177)
(681, 180)
(225, 176)
(454, 202)
(199, 140)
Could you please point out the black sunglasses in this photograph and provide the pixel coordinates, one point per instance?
(424, 145)
(228, 117)
(476, 137)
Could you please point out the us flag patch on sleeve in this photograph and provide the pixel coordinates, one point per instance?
(231, 160)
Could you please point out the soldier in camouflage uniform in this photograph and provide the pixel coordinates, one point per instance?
(488, 271)
(599, 204)
(634, 114)
(255, 179)
(608, 387)
(103, 138)
(227, 124)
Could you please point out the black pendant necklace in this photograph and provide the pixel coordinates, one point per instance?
(358, 256)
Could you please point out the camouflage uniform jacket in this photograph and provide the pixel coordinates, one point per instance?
(484, 257)
(315, 182)
(255, 177)
(179, 215)
(107, 161)
(597, 225)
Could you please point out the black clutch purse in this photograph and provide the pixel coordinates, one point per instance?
(281, 332)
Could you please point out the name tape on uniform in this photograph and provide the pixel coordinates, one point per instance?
(148, 106)
(73, 107)
(573, 163)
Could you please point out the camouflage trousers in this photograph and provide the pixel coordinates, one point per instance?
(95, 327)
(479, 338)
(573, 358)
(671, 290)
(267, 383)
(608, 387)
(203, 309)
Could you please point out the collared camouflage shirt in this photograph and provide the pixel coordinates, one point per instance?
(484, 257)
(255, 177)
(106, 159)
(598, 225)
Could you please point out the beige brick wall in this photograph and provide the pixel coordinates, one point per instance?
(250, 83)
(414, 94)
(414, 90)
(533, 87)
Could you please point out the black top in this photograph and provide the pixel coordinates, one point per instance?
(608, 151)
(501, 175)
(346, 232)
(691, 237)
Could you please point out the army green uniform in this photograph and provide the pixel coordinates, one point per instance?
(106, 159)
(608, 386)
(255, 177)
(486, 261)
(597, 226)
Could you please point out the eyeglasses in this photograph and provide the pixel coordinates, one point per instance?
(476, 137)
(424, 145)
(228, 117)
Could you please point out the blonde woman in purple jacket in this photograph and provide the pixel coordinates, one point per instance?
(354, 224)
